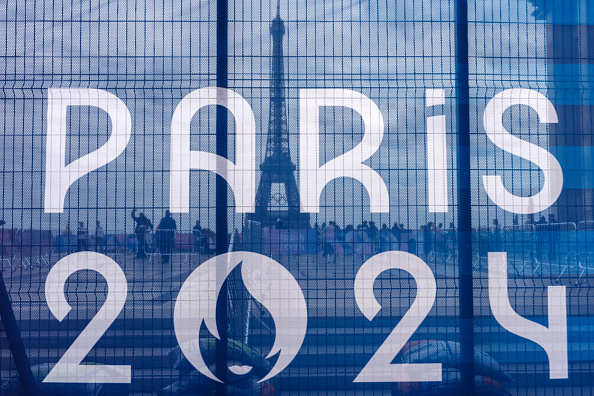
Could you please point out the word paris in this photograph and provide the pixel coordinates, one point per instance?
(197, 300)
(241, 175)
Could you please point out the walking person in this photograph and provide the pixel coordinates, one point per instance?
(65, 242)
(82, 235)
(428, 237)
(143, 225)
(197, 233)
(397, 232)
(166, 236)
(99, 236)
(440, 239)
(453, 239)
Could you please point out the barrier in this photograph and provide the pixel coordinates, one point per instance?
(290, 241)
(184, 241)
(348, 242)
(559, 249)
(65, 243)
(113, 242)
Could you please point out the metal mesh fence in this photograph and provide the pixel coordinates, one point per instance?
(342, 259)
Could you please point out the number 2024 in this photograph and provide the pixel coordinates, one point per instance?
(552, 338)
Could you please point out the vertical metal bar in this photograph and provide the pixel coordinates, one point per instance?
(16, 343)
(464, 200)
(221, 190)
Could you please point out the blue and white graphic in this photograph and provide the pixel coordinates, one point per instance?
(268, 282)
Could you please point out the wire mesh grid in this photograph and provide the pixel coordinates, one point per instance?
(296, 277)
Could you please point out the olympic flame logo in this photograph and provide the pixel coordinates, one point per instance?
(268, 282)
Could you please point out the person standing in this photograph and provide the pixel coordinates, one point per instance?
(453, 239)
(99, 236)
(197, 232)
(143, 225)
(166, 236)
(428, 237)
(397, 232)
(279, 225)
(82, 235)
(65, 240)
(440, 239)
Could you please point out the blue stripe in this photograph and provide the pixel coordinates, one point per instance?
(577, 164)
(575, 12)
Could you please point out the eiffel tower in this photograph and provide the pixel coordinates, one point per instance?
(277, 196)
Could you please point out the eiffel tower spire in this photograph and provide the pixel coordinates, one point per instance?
(277, 146)
(278, 168)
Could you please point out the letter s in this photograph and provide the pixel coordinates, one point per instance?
(553, 175)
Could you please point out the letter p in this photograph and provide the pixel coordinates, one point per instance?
(59, 176)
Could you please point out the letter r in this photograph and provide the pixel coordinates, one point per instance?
(313, 177)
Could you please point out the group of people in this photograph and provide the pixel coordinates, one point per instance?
(546, 235)
(436, 238)
(165, 235)
(201, 238)
(370, 229)
(82, 236)
(432, 237)
(428, 239)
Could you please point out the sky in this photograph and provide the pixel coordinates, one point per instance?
(152, 54)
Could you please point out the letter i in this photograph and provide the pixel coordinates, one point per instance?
(437, 167)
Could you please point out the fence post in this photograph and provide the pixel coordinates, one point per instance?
(221, 191)
(464, 200)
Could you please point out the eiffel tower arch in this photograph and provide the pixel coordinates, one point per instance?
(277, 196)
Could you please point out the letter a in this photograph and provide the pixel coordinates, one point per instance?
(241, 176)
